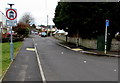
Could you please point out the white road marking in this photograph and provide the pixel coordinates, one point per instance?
(36, 44)
(39, 64)
(61, 52)
(85, 61)
(115, 70)
(64, 46)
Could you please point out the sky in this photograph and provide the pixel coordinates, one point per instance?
(38, 9)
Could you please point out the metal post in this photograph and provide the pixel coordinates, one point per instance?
(66, 34)
(77, 40)
(105, 40)
(47, 25)
(11, 45)
(51, 30)
(11, 40)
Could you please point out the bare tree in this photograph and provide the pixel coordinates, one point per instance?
(27, 18)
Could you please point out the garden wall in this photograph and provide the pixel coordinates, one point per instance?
(115, 45)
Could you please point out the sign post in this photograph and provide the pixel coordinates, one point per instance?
(11, 14)
(107, 24)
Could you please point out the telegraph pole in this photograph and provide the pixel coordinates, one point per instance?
(47, 25)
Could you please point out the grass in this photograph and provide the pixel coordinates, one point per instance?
(6, 54)
(0, 59)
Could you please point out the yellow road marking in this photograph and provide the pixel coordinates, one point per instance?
(77, 49)
(30, 49)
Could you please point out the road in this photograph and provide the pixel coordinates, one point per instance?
(25, 66)
(61, 64)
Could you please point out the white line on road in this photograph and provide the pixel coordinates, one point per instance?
(36, 44)
(61, 52)
(85, 61)
(39, 64)
(115, 70)
(64, 46)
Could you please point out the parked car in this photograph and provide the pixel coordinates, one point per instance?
(36, 33)
(43, 34)
(39, 33)
(60, 32)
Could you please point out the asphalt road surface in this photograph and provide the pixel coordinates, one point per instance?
(61, 64)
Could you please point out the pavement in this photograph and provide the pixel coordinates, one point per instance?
(88, 51)
(25, 66)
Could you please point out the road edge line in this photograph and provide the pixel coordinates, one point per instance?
(64, 46)
(39, 64)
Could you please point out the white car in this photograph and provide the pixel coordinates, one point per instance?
(59, 32)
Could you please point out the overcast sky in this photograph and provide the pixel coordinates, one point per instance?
(39, 9)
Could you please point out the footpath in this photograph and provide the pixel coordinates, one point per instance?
(89, 51)
(25, 67)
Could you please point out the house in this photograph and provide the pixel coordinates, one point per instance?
(3, 27)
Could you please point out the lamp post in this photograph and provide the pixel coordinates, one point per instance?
(11, 38)
(47, 25)
(51, 30)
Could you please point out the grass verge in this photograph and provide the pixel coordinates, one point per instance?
(0, 59)
(6, 54)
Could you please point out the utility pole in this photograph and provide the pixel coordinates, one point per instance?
(47, 20)
(51, 30)
(47, 25)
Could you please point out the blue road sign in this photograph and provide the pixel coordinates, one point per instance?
(107, 22)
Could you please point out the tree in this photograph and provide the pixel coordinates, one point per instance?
(27, 18)
(33, 26)
(87, 18)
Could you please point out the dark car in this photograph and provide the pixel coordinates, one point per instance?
(43, 34)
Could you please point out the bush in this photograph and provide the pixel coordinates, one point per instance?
(5, 40)
(14, 39)
(22, 30)
(118, 37)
